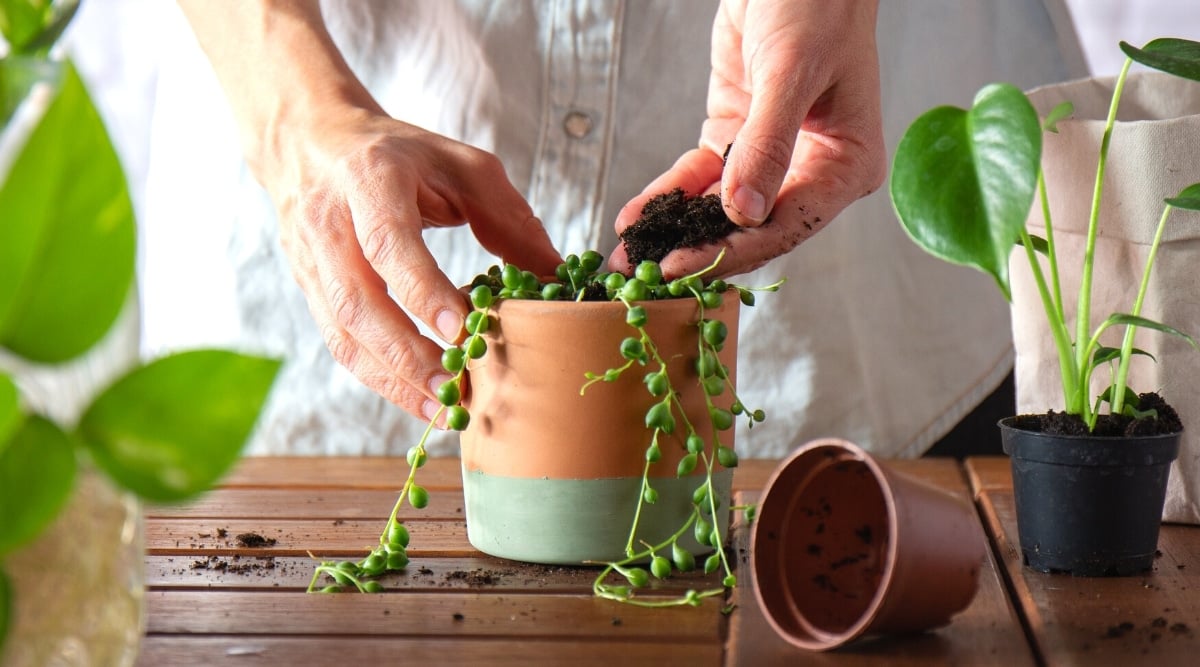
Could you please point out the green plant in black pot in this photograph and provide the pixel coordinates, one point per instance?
(963, 184)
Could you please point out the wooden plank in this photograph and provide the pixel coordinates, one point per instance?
(328, 504)
(987, 632)
(989, 472)
(367, 472)
(271, 651)
(442, 614)
(298, 537)
(1153, 617)
(482, 574)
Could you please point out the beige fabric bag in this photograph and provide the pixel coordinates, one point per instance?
(1154, 153)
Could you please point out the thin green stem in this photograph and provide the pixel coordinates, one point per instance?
(1051, 253)
(1083, 312)
(637, 514)
(1058, 329)
(1117, 395)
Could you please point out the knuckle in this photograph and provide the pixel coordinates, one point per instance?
(379, 244)
(343, 350)
(771, 150)
(348, 307)
(400, 354)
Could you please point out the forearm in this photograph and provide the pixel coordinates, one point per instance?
(279, 68)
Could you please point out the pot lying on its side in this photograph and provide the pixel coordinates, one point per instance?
(844, 547)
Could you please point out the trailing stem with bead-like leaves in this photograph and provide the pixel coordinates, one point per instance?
(579, 278)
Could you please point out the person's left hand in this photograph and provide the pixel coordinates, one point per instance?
(795, 90)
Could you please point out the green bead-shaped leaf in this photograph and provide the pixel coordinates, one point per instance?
(963, 181)
(37, 473)
(67, 238)
(170, 429)
(1180, 57)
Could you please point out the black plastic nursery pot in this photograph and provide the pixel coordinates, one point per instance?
(1088, 506)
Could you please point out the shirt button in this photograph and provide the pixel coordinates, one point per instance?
(577, 124)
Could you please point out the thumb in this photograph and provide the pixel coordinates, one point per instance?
(761, 154)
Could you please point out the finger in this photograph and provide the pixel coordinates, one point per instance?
(761, 153)
(363, 328)
(812, 195)
(389, 235)
(500, 218)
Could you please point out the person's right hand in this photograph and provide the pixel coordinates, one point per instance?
(354, 189)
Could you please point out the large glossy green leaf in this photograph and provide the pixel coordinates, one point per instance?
(66, 233)
(167, 431)
(37, 473)
(1172, 55)
(963, 181)
(10, 409)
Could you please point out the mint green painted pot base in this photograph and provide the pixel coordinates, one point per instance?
(569, 521)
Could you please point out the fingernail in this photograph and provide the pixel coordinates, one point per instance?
(430, 409)
(750, 204)
(449, 325)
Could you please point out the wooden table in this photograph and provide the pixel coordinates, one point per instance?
(212, 601)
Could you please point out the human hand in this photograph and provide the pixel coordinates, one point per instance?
(795, 90)
(353, 196)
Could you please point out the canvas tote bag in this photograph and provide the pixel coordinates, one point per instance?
(1154, 153)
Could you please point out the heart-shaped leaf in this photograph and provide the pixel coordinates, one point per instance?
(167, 431)
(37, 473)
(67, 240)
(963, 181)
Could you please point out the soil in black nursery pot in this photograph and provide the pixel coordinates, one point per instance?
(675, 220)
(1164, 421)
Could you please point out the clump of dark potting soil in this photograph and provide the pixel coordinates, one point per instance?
(1165, 420)
(675, 220)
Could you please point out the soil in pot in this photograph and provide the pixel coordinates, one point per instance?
(1164, 422)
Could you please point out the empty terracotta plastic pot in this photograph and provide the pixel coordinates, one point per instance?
(844, 547)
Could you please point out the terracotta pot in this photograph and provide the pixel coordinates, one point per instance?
(1088, 506)
(843, 547)
(552, 476)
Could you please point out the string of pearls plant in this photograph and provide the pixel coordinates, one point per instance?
(579, 278)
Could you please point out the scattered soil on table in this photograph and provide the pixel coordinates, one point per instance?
(261, 565)
(1059, 423)
(254, 541)
(476, 577)
(1157, 629)
(675, 220)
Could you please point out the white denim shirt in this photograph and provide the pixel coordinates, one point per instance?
(586, 101)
